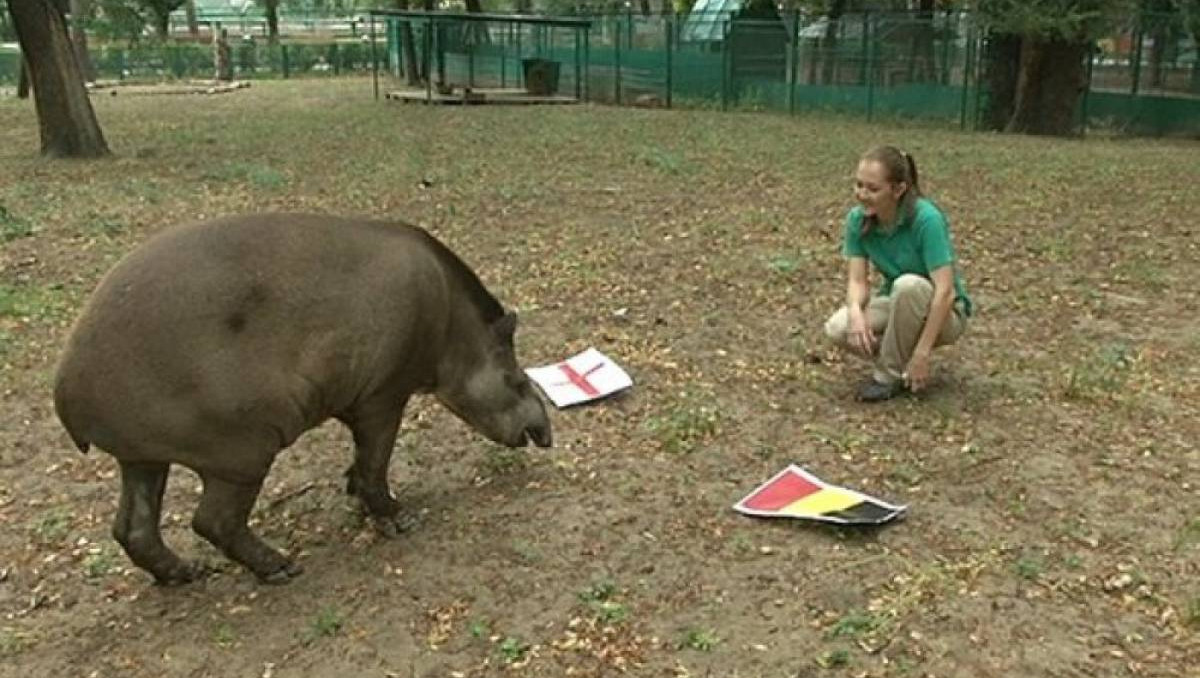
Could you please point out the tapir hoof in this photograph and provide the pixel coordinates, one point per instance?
(394, 525)
(284, 575)
(184, 573)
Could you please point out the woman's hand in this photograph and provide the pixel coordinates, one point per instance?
(916, 375)
(861, 336)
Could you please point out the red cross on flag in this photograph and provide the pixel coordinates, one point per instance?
(581, 378)
(796, 493)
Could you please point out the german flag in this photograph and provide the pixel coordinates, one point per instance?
(796, 493)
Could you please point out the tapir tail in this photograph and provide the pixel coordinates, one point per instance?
(63, 411)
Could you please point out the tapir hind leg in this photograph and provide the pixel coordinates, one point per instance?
(221, 519)
(374, 432)
(136, 526)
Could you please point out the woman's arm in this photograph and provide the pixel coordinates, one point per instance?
(917, 372)
(858, 293)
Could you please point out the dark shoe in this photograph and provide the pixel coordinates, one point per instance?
(872, 391)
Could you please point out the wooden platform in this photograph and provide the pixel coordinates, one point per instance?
(483, 95)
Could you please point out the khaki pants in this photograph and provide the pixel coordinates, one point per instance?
(897, 322)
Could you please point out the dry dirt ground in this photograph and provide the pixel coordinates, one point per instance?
(1052, 471)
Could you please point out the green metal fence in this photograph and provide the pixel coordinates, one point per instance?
(1144, 78)
(870, 64)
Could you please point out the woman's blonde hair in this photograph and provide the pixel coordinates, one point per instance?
(899, 167)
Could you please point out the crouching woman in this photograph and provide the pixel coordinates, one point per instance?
(921, 302)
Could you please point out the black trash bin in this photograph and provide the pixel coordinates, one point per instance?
(541, 76)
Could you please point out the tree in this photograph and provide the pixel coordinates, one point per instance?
(189, 10)
(1036, 60)
(271, 12)
(160, 12)
(66, 121)
(81, 11)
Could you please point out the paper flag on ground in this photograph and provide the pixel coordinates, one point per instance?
(581, 378)
(796, 493)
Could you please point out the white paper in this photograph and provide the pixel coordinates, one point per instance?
(588, 376)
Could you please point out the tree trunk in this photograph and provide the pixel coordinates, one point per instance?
(1002, 60)
(271, 10)
(1049, 85)
(829, 55)
(23, 79)
(645, 6)
(66, 120)
(411, 71)
(921, 65)
(162, 25)
(80, 12)
(189, 10)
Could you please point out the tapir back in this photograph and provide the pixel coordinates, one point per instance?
(249, 328)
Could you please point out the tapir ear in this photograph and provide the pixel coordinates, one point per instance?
(506, 326)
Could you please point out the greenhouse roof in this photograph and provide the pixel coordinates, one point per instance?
(707, 19)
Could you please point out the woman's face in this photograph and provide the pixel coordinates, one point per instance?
(875, 192)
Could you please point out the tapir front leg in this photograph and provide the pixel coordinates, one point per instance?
(374, 427)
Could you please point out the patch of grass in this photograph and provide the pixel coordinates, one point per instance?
(1191, 612)
(224, 635)
(30, 301)
(479, 628)
(12, 642)
(104, 225)
(1144, 273)
(1101, 375)
(1030, 567)
(906, 474)
(682, 429)
(661, 160)
(1189, 535)
(834, 659)
(327, 623)
(598, 599)
(599, 591)
(526, 552)
(502, 461)
(703, 640)
(1054, 245)
(52, 526)
(513, 650)
(783, 265)
(99, 564)
(259, 176)
(856, 623)
(13, 227)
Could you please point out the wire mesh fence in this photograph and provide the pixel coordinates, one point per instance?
(1144, 77)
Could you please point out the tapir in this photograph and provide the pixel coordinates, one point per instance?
(215, 345)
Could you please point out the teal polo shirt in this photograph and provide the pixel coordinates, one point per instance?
(920, 243)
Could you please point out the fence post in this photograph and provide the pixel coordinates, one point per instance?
(872, 55)
(617, 61)
(795, 62)
(1137, 62)
(429, 60)
(374, 58)
(726, 63)
(968, 61)
(578, 65)
(1087, 91)
(283, 60)
(669, 22)
(471, 33)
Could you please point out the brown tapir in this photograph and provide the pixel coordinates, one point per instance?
(215, 345)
